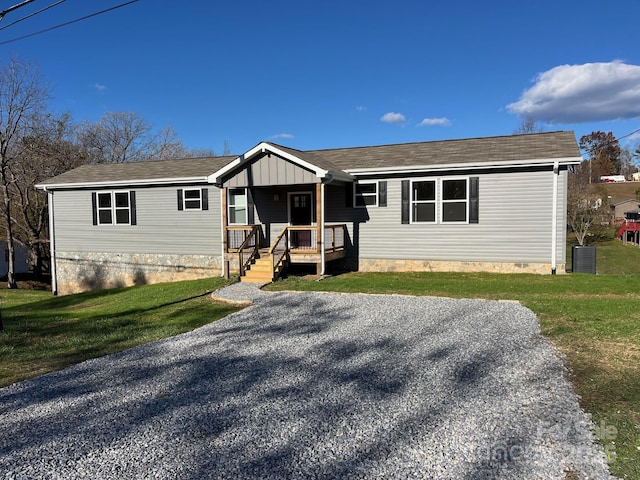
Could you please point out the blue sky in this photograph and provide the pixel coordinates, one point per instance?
(325, 74)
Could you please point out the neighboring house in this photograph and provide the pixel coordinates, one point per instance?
(493, 204)
(622, 207)
(21, 261)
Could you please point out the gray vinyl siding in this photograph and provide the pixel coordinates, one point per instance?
(161, 228)
(270, 170)
(515, 215)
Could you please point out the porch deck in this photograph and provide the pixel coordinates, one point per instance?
(244, 249)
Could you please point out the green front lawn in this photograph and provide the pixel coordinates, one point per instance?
(43, 333)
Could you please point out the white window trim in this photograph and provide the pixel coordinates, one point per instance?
(185, 199)
(442, 201)
(375, 195)
(113, 207)
(412, 202)
(246, 208)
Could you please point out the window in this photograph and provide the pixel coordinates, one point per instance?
(237, 206)
(446, 200)
(455, 200)
(193, 199)
(365, 194)
(423, 201)
(114, 208)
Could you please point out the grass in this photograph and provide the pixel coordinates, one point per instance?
(43, 333)
(593, 319)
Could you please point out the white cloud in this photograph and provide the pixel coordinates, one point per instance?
(361, 108)
(582, 93)
(99, 87)
(435, 122)
(280, 136)
(392, 117)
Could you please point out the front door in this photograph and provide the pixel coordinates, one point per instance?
(300, 213)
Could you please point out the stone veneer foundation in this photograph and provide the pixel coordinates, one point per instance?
(386, 265)
(81, 272)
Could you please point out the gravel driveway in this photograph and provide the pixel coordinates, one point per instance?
(312, 385)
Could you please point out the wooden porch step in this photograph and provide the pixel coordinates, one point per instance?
(261, 271)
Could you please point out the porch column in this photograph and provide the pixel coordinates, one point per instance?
(320, 226)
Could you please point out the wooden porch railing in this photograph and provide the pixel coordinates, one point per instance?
(335, 237)
(237, 234)
(248, 250)
(279, 252)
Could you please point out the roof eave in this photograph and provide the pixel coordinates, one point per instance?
(122, 183)
(464, 166)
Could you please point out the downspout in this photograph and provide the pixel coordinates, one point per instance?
(554, 218)
(52, 244)
(223, 233)
(322, 235)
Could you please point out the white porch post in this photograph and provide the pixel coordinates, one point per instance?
(52, 244)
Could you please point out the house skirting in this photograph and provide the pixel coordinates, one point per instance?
(80, 272)
(387, 265)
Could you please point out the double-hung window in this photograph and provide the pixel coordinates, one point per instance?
(440, 200)
(365, 194)
(237, 206)
(192, 199)
(114, 208)
(455, 200)
(423, 201)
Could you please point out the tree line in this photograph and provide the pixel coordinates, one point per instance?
(36, 144)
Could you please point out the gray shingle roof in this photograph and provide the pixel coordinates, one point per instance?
(512, 148)
(152, 170)
(505, 149)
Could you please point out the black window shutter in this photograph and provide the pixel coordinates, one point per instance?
(94, 207)
(473, 200)
(405, 191)
(180, 204)
(382, 194)
(348, 195)
(250, 208)
(132, 207)
(205, 199)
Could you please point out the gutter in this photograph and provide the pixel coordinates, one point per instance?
(463, 166)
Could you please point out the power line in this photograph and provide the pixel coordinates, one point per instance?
(33, 14)
(68, 23)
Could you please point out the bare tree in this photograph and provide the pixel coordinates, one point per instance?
(47, 150)
(528, 125)
(586, 207)
(23, 94)
(120, 137)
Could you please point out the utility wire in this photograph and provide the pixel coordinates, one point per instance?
(33, 14)
(68, 23)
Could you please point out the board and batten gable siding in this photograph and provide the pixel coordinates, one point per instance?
(515, 216)
(270, 170)
(161, 228)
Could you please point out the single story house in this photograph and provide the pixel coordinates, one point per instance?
(624, 206)
(495, 204)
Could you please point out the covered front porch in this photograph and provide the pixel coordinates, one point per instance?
(275, 213)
